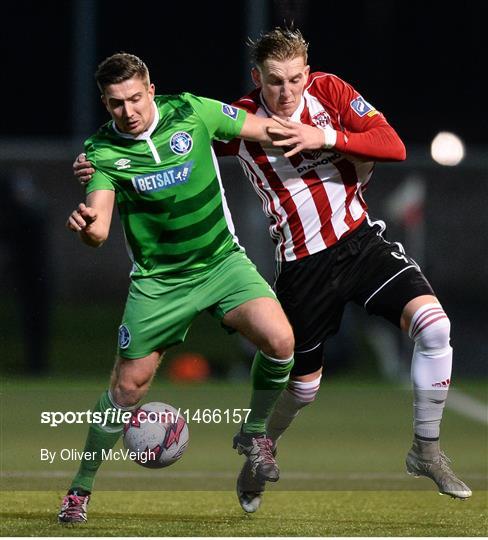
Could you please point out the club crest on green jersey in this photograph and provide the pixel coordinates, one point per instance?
(181, 143)
(163, 179)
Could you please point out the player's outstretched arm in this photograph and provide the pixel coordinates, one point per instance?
(281, 132)
(300, 136)
(82, 169)
(92, 220)
(256, 128)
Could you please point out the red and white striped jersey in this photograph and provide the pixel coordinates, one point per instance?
(315, 198)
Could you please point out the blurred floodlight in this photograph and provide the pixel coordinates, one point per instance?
(447, 149)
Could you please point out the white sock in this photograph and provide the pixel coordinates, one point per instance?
(294, 397)
(431, 368)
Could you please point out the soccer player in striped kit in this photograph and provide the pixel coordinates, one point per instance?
(328, 250)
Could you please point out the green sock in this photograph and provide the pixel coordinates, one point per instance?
(269, 378)
(99, 438)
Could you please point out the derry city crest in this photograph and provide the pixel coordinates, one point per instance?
(321, 119)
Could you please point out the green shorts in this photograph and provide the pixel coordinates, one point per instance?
(159, 310)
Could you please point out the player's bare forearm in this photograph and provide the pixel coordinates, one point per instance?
(83, 220)
(92, 220)
(89, 241)
(255, 128)
(92, 236)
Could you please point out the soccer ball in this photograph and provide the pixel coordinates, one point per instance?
(158, 435)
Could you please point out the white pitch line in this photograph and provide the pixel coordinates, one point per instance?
(466, 405)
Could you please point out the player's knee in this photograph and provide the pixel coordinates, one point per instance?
(131, 378)
(280, 344)
(126, 395)
(430, 328)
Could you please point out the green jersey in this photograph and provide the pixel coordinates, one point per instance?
(167, 184)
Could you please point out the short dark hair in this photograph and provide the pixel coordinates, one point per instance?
(120, 67)
(279, 44)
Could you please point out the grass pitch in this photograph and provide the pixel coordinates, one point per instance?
(217, 513)
(342, 468)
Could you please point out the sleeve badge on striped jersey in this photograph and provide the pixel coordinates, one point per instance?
(362, 108)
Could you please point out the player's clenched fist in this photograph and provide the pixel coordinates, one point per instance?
(81, 218)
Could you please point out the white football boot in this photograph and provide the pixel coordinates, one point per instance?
(425, 458)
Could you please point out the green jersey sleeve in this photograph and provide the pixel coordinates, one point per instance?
(99, 179)
(223, 121)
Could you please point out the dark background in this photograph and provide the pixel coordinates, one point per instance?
(419, 62)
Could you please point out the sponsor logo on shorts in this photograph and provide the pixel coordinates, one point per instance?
(181, 143)
(362, 108)
(124, 336)
(163, 179)
(230, 111)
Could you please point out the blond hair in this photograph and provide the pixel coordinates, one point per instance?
(278, 44)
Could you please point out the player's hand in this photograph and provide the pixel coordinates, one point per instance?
(81, 218)
(299, 136)
(82, 169)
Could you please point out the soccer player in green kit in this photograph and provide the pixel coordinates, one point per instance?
(154, 159)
